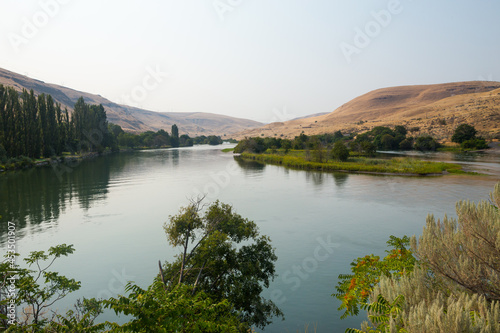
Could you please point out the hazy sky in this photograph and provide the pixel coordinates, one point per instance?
(264, 60)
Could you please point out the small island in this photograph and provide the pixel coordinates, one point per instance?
(356, 153)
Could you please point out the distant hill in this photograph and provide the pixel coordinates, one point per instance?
(435, 109)
(134, 119)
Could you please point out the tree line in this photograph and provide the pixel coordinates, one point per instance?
(37, 126)
(378, 138)
(33, 127)
(160, 138)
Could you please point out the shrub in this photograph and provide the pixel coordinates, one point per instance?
(426, 143)
(477, 143)
(340, 151)
(463, 133)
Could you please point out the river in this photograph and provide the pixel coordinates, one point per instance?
(112, 209)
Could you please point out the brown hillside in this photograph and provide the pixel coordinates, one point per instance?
(133, 119)
(436, 109)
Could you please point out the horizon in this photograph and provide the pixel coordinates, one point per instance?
(266, 63)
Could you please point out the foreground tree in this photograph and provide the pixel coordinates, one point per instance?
(37, 291)
(157, 309)
(224, 256)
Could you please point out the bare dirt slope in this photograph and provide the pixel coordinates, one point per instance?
(435, 109)
(133, 119)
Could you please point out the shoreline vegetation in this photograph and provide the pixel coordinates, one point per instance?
(402, 166)
(357, 153)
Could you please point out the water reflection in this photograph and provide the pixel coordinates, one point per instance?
(249, 166)
(316, 177)
(340, 178)
(39, 195)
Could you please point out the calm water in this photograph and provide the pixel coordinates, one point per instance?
(112, 209)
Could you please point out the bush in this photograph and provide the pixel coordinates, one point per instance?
(426, 143)
(463, 133)
(340, 151)
(368, 148)
(477, 143)
(406, 144)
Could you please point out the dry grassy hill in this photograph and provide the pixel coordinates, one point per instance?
(435, 109)
(133, 119)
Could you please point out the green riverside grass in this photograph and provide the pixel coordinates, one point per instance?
(398, 166)
(227, 150)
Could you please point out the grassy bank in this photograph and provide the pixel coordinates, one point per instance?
(398, 166)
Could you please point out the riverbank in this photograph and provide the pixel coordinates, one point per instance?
(402, 166)
(21, 163)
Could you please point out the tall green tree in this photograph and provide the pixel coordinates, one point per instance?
(52, 135)
(223, 255)
(44, 126)
(174, 137)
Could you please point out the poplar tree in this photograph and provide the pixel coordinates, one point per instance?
(52, 135)
(174, 140)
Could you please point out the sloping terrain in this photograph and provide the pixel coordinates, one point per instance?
(435, 109)
(134, 119)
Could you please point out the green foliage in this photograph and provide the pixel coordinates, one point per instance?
(36, 126)
(399, 129)
(210, 140)
(178, 310)
(81, 319)
(426, 143)
(159, 139)
(340, 151)
(253, 145)
(476, 143)
(39, 289)
(174, 140)
(383, 314)
(259, 145)
(319, 153)
(463, 133)
(406, 144)
(224, 256)
(382, 138)
(399, 165)
(354, 289)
